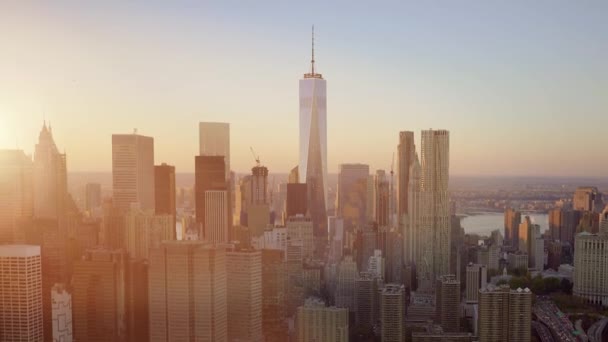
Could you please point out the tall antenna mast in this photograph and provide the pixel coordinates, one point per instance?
(312, 61)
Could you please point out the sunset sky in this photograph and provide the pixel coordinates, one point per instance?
(522, 88)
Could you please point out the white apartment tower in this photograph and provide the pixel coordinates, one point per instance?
(20, 293)
(133, 171)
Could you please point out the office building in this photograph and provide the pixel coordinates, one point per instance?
(296, 203)
(317, 322)
(488, 256)
(447, 301)
(274, 327)
(366, 299)
(413, 234)
(20, 293)
(345, 284)
(244, 276)
(381, 199)
(216, 216)
(518, 261)
(504, 314)
(313, 145)
(98, 296)
(406, 154)
(214, 140)
(16, 192)
(587, 198)
(376, 264)
(591, 268)
(477, 278)
(144, 231)
(512, 222)
(352, 194)
(335, 227)
(209, 175)
(188, 292)
(62, 314)
(300, 228)
(164, 189)
(92, 196)
(136, 300)
(435, 158)
(392, 313)
(133, 171)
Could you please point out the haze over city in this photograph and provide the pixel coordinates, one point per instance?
(520, 86)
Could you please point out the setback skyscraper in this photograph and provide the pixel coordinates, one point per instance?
(352, 194)
(214, 140)
(313, 144)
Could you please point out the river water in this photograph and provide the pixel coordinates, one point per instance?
(485, 223)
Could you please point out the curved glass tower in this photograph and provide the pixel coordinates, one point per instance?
(313, 144)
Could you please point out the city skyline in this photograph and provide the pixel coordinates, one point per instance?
(512, 104)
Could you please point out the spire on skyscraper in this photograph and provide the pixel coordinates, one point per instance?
(312, 61)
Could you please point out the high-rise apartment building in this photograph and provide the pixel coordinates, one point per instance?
(352, 194)
(214, 140)
(313, 145)
(164, 189)
(317, 322)
(62, 314)
(406, 154)
(244, 276)
(144, 231)
(412, 221)
(477, 278)
(345, 285)
(20, 293)
(16, 192)
(591, 268)
(435, 162)
(92, 196)
(512, 222)
(98, 297)
(392, 313)
(504, 314)
(447, 301)
(587, 198)
(209, 175)
(188, 292)
(133, 171)
(216, 216)
(381, 199)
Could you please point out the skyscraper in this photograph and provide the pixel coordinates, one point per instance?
(259, 185)
(244, 278)
(296, 203)
(50, 178)
(92, 196)
(16, 192)
(273, 295)
(587, 198)
(392, 313)
(313, 144)
(412, 225)
(447, 294)
(477, 278)
(345, 289)
(512, 222)
(144, 231)
(133, 171)
(435, 160)
(214, 140)
(591, 267)
(317, 322)
(209, 175)
(98, 296)
(187, 292)
(406, 153)
(20, 293)
(62, 314)
(504, 314)
(216, 216)
(352, 194)
(164, 189)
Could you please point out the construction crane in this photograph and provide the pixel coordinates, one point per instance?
(255, 156)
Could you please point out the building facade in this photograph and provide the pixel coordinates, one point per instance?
(591, 268)
(317, 322)
(133, 171)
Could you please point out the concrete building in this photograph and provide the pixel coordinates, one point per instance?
(144, 231)
(406, 154)
(447, 299)
(62, 314)
(259, 185)
(517, 260)
(208, 175)
(435, 159)
(345, 287)
(512, 222)
(412, 222)
(317, 322)
(188, 292)
(335, 227)
(20, 293)
(217, 216)
(244, 277)
(214, 140)
(98, 296)
(300, 228)
(313, 145)
(273, 295)
(381, 199)
(133, 171)
(477, 278)
(587, 198)
(392, 313)
(366, 299)
(16, 192)
(488, 256)
(352, 194)
(591, 268)
(164, 190)
(504, 314)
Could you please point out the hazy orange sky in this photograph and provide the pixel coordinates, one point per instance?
(521, 87)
